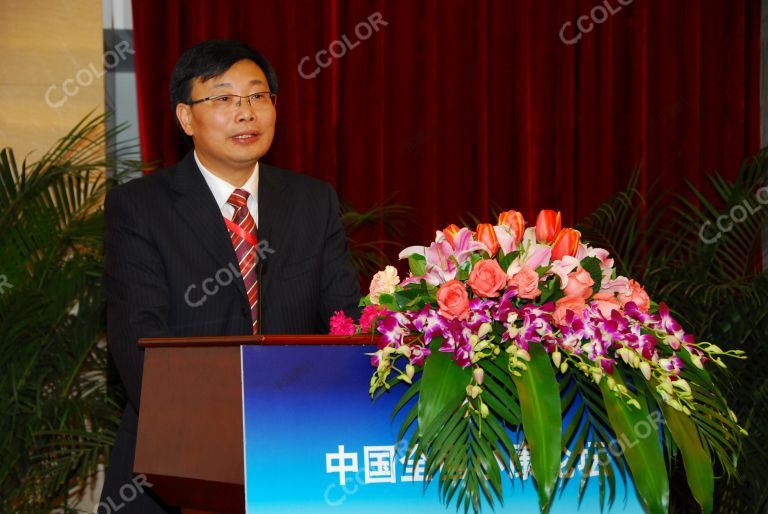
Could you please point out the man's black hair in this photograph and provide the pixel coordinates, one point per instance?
(210, 59)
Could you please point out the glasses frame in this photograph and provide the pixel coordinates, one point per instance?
(272, 97)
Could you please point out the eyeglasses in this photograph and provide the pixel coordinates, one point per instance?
(258, 101)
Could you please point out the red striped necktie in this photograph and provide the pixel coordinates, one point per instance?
(242, 231)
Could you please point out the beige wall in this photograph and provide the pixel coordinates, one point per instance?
(43, 45)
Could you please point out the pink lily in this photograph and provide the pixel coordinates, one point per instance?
(507, 238)
(441, 265)
(465, 245)
(532, 254)
(562, 267)
(618, 285)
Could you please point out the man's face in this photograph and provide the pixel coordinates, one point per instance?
(229, 140)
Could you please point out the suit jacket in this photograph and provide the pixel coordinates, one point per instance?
(171, 270)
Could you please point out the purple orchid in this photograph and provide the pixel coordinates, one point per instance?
(418, 354)
(673, 364)
(672, 328)
(393, 328)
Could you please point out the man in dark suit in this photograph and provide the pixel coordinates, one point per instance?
(220, 243)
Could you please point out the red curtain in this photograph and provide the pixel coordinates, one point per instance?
(457, 106)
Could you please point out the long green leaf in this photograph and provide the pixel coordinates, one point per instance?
(443, 386)
(641, 451)
(697, 461)
(542, 423)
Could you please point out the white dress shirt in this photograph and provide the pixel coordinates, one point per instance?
(222, 190)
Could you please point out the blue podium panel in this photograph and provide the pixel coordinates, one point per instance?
(315, 443)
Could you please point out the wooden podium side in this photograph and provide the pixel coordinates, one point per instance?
(190, 433)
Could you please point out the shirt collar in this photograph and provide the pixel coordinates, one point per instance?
(222, 189)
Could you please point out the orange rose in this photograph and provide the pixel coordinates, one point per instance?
(565, 304)
(450, 232)
(514, 220)
(606, 303)
(566, 243)
(486, 278)
(453, 300)
(486, 235)
(548, 225)
(526, 282)
(579, 284)
(636, 294)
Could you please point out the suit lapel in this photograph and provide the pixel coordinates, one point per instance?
(198, 208)
(275, 208)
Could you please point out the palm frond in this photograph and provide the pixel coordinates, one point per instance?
(369, 257)
(61, 417)
(708, 275)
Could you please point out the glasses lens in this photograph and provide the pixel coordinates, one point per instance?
(225, 102)
(257, 101)
(261, 100)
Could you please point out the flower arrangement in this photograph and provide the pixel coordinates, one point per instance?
(506, 328)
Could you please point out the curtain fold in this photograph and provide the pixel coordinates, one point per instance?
(455, 107)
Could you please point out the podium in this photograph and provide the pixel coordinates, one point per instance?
(284, 424)
(190, 433)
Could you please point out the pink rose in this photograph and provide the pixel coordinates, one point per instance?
(487, 278)
(636, 294)
(565, 304)
(526, 282)
(579, 284)
(453, 300)
(606, 303)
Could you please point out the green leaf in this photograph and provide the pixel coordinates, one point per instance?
(59, 417)
(506, 259)
(418, 264)
(412, 298)
(407, 396)
(697, 461)
(551, 291)
(642, 451)
(388, 301)
(410, 418)
(540, 407)
(464, 270)
(443, 385)
(592, 266)
(442, 441)
(405, 297)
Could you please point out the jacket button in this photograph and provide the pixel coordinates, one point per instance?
(246, 312)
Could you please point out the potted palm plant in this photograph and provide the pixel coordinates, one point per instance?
(59, 415)
(703, 258)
